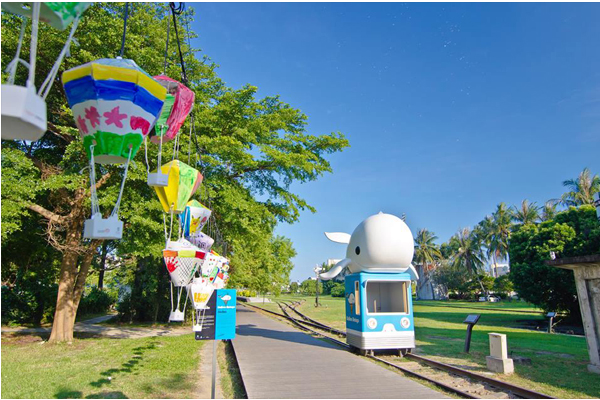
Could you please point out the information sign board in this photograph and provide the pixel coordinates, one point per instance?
(219, 317)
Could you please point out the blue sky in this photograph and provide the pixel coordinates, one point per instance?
(449, 108)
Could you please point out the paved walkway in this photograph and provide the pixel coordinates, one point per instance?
(91, 327)
(279, 361)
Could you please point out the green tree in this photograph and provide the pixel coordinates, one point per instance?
(529, 213)
(294, 287)
(309, 286)
(469, 256)
(571, 233)
(581, 190)
(549, 210)
(427, 253)
(503, 285)
(500, 233)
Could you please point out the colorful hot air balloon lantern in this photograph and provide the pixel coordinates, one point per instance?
(193, 219)
(115, 104)
(199, 290)
(182, 259)
(183, 183)
(178, 104)
(23, 109)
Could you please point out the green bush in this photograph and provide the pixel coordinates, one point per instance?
(29, 301)
(95, 301)
(338, 290)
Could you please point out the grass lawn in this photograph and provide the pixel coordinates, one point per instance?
(154, 367)
(558, 362)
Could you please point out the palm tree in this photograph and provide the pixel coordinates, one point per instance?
(529, 213)
(582, 189)
(426, 253)
(549, 210)
(497, 230)
(469, 256)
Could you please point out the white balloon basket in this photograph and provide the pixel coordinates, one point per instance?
(103, 228)
(23, 113)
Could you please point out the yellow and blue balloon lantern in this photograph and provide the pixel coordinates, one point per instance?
(115, 104)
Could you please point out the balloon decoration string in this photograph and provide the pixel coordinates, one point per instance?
(12, 66)
(190, 138)
(171, 295)
(185, 302)
(93, 194)
(35, 19)
(125, 16)
(115, 211)
(146, 153)
(171, 227)
(165, 227)
(47, 85)
(160, 143)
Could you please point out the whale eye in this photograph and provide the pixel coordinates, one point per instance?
(357, 250)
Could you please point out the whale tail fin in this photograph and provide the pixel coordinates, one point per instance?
(338, 237)
(335, 271)
(414, 276)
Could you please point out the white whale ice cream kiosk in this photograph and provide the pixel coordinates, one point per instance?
(379, 312)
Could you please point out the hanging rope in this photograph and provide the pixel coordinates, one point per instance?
(178, 11)
(47, 85)
(35, 19)
(93, 194)
(125, 16)
(115, 211)
(12, 66)
(212, 228)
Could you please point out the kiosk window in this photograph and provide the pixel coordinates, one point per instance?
(387, 297)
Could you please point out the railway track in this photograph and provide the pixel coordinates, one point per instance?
(458, 381)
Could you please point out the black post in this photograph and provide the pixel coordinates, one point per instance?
(550, 325)
(468, 339)
(317, 292)
(214, 370)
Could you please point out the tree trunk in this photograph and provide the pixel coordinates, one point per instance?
(71, 283)
(62, 326)
(102, 265)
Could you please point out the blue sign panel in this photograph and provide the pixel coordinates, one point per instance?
(225, 318)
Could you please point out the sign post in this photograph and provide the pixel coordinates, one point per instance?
(218, 324)
(317, 270)
(551, 316)
(471, 320)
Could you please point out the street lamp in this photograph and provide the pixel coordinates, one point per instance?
(317, 270)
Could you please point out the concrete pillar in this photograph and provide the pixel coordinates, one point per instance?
(498, 360)
(587, 280)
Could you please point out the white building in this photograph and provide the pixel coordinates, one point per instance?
(498, 269)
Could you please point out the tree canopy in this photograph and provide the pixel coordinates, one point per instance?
(249, 150)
